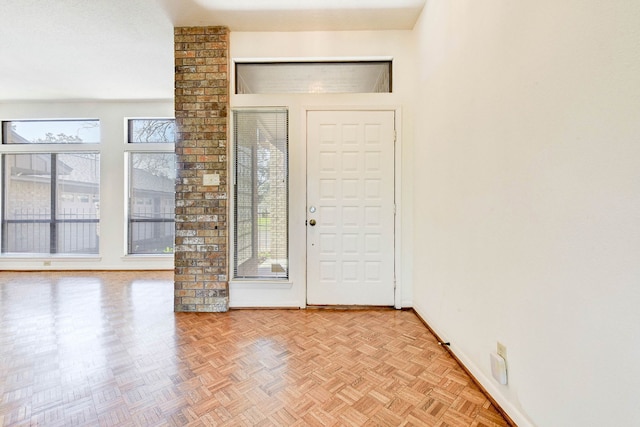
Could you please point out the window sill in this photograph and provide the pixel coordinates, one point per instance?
(147, 257)
(46, 258)
(260, 284)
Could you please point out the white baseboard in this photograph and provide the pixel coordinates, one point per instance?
(488, 384)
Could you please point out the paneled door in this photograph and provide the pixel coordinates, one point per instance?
(350, 207)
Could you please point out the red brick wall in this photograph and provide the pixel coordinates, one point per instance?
(201, 104)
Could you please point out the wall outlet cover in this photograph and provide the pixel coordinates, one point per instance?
(498, 368)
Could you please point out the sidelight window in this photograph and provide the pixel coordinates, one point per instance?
(261, 198)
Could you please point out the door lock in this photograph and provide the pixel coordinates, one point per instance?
(312, 222)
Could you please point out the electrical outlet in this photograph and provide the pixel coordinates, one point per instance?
(502, 350)
(47, 263)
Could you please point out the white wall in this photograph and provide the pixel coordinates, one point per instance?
(112, 117)
(527, 231)
(316, 45)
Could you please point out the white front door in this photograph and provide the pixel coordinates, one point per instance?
(350, 207)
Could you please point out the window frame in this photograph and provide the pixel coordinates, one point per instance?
(5, 137)
(132, 148)
(239, 88)
(52, 149)
(233, 226)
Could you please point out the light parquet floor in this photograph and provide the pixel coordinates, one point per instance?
(105, 348)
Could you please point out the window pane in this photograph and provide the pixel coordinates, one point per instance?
(314, 77)
(45, 211)
(152, 203)
(51, 132)
(78, 202)
(152, 130)
(261, 194)
(27, 204)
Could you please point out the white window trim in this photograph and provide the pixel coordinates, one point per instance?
(139, 147)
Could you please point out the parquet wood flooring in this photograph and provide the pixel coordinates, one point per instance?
(106, 349)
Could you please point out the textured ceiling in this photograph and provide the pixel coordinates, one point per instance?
(123, 49)
(297, 15)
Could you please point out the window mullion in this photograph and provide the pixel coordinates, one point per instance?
(53, 225)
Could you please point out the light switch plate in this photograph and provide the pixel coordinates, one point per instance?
(211, 179)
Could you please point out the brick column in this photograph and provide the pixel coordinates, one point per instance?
(201, 103)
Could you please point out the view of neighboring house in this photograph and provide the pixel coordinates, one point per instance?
(151, 212)
(52, 202)
(39, 220)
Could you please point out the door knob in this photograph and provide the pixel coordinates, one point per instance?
(312, 222)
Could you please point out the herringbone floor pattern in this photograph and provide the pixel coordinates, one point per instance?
(106, 349)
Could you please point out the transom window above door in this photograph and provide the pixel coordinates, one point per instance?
(313, 77)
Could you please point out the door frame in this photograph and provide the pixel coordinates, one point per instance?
(292, 293)
(397, 175)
